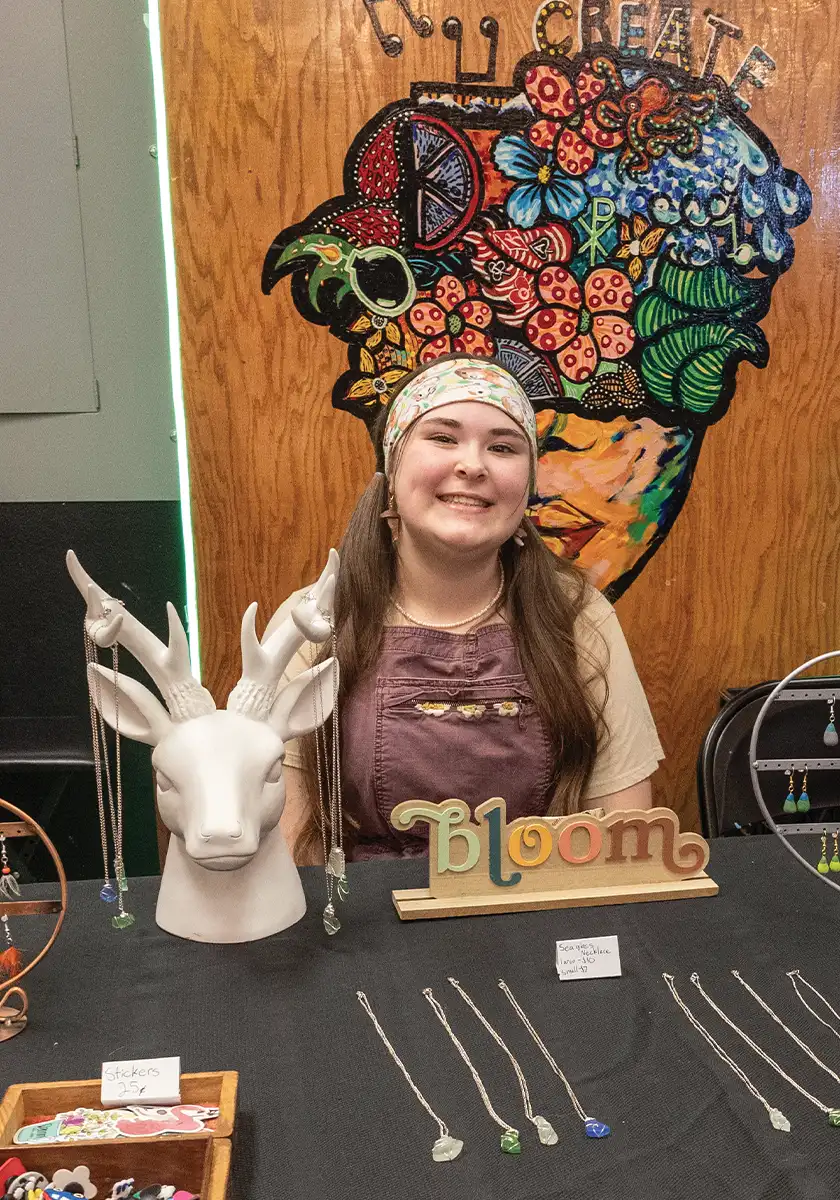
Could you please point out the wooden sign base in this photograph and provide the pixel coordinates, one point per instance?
(415, 904)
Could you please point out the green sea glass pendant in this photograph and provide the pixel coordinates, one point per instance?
(510, 1142)
(122, 920)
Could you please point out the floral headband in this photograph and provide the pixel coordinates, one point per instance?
(452, 382)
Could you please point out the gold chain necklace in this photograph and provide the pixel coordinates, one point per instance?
(467, 620)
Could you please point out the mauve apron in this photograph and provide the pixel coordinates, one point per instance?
(441, 716)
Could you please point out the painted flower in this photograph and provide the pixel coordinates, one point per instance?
(581, 328)
(387, 356)
(541, 184)
(378, 329)
(433, 708)
(507, 262)
(471, 711)
(567, 121)
(507, 708)
(640, 240)
(450, 321)
(374, 386)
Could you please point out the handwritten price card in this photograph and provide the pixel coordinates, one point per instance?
(141, 1081)
(588, 958)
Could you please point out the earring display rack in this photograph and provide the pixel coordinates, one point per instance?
(13, 999)
(782, 692)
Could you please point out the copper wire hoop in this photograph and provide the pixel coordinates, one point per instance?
(9, 987)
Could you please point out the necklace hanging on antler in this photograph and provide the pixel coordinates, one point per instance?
(111, 891)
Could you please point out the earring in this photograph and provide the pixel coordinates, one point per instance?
(822, 865)
(390, 514)
(830, 736)
(8, 884)
(11, 960)
(803, 804)
(519, 536)
(789, 805)
(834, 865)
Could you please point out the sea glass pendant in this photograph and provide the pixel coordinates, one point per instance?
(830, 736)
(331, 921)
(108, 893)
(119, 873)
(547, 1133)
(779, 1121)
(335, 862)
(510, 1142)
(122, 920)
(446, 1148)
(344, 887)
(595, 1129)
(834, 1117)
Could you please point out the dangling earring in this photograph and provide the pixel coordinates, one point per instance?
(11, 960)
(519, 536)
(391, 515)
(822, 865)
(803, 804)
(789, 805)
(8, 884)
(834, 865)
(830, 736)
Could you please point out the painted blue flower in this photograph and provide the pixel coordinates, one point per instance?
(542, 184)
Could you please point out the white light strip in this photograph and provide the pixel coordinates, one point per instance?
(174, 332)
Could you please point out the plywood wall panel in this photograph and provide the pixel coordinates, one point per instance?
(263, 101)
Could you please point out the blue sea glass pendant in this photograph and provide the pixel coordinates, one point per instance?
(108, 893)
(595, 1129)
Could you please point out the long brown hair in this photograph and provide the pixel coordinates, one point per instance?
(543, 596)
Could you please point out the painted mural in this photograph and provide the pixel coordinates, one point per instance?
(609, 225)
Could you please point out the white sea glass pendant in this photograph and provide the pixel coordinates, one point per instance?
(547, 1132)
(446, 1148)
(779, 1121)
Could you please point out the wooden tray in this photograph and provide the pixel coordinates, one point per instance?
(25, 1103)
(200, 1163)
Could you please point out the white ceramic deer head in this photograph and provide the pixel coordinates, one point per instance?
(229, 876)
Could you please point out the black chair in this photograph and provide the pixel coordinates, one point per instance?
(792, 729)
(54, 748)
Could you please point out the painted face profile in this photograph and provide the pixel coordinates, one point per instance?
(607, 227)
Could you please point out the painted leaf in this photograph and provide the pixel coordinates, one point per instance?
(687, 367)
(654, 313)
(708, 288)
(533, 248)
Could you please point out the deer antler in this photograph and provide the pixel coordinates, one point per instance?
(298, 619)
(108, 621)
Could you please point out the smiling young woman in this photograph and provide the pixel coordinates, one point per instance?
(474, 663)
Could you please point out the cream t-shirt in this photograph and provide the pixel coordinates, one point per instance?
(630, 750)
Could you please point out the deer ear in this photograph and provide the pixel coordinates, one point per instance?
(299, 708)
(141, 715)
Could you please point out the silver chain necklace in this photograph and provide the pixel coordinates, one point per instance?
(510, 1143)
(110, 891)
(457, 624)
(545, 1130)
(833, 1114)
(793, 976)
(789, 1032)
(328, 770)
(446, 1147)
(591, 1127)
(777, 1118)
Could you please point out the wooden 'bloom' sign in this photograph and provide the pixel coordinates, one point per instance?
(482, 864)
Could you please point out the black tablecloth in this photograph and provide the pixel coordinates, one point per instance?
(323, 1111)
